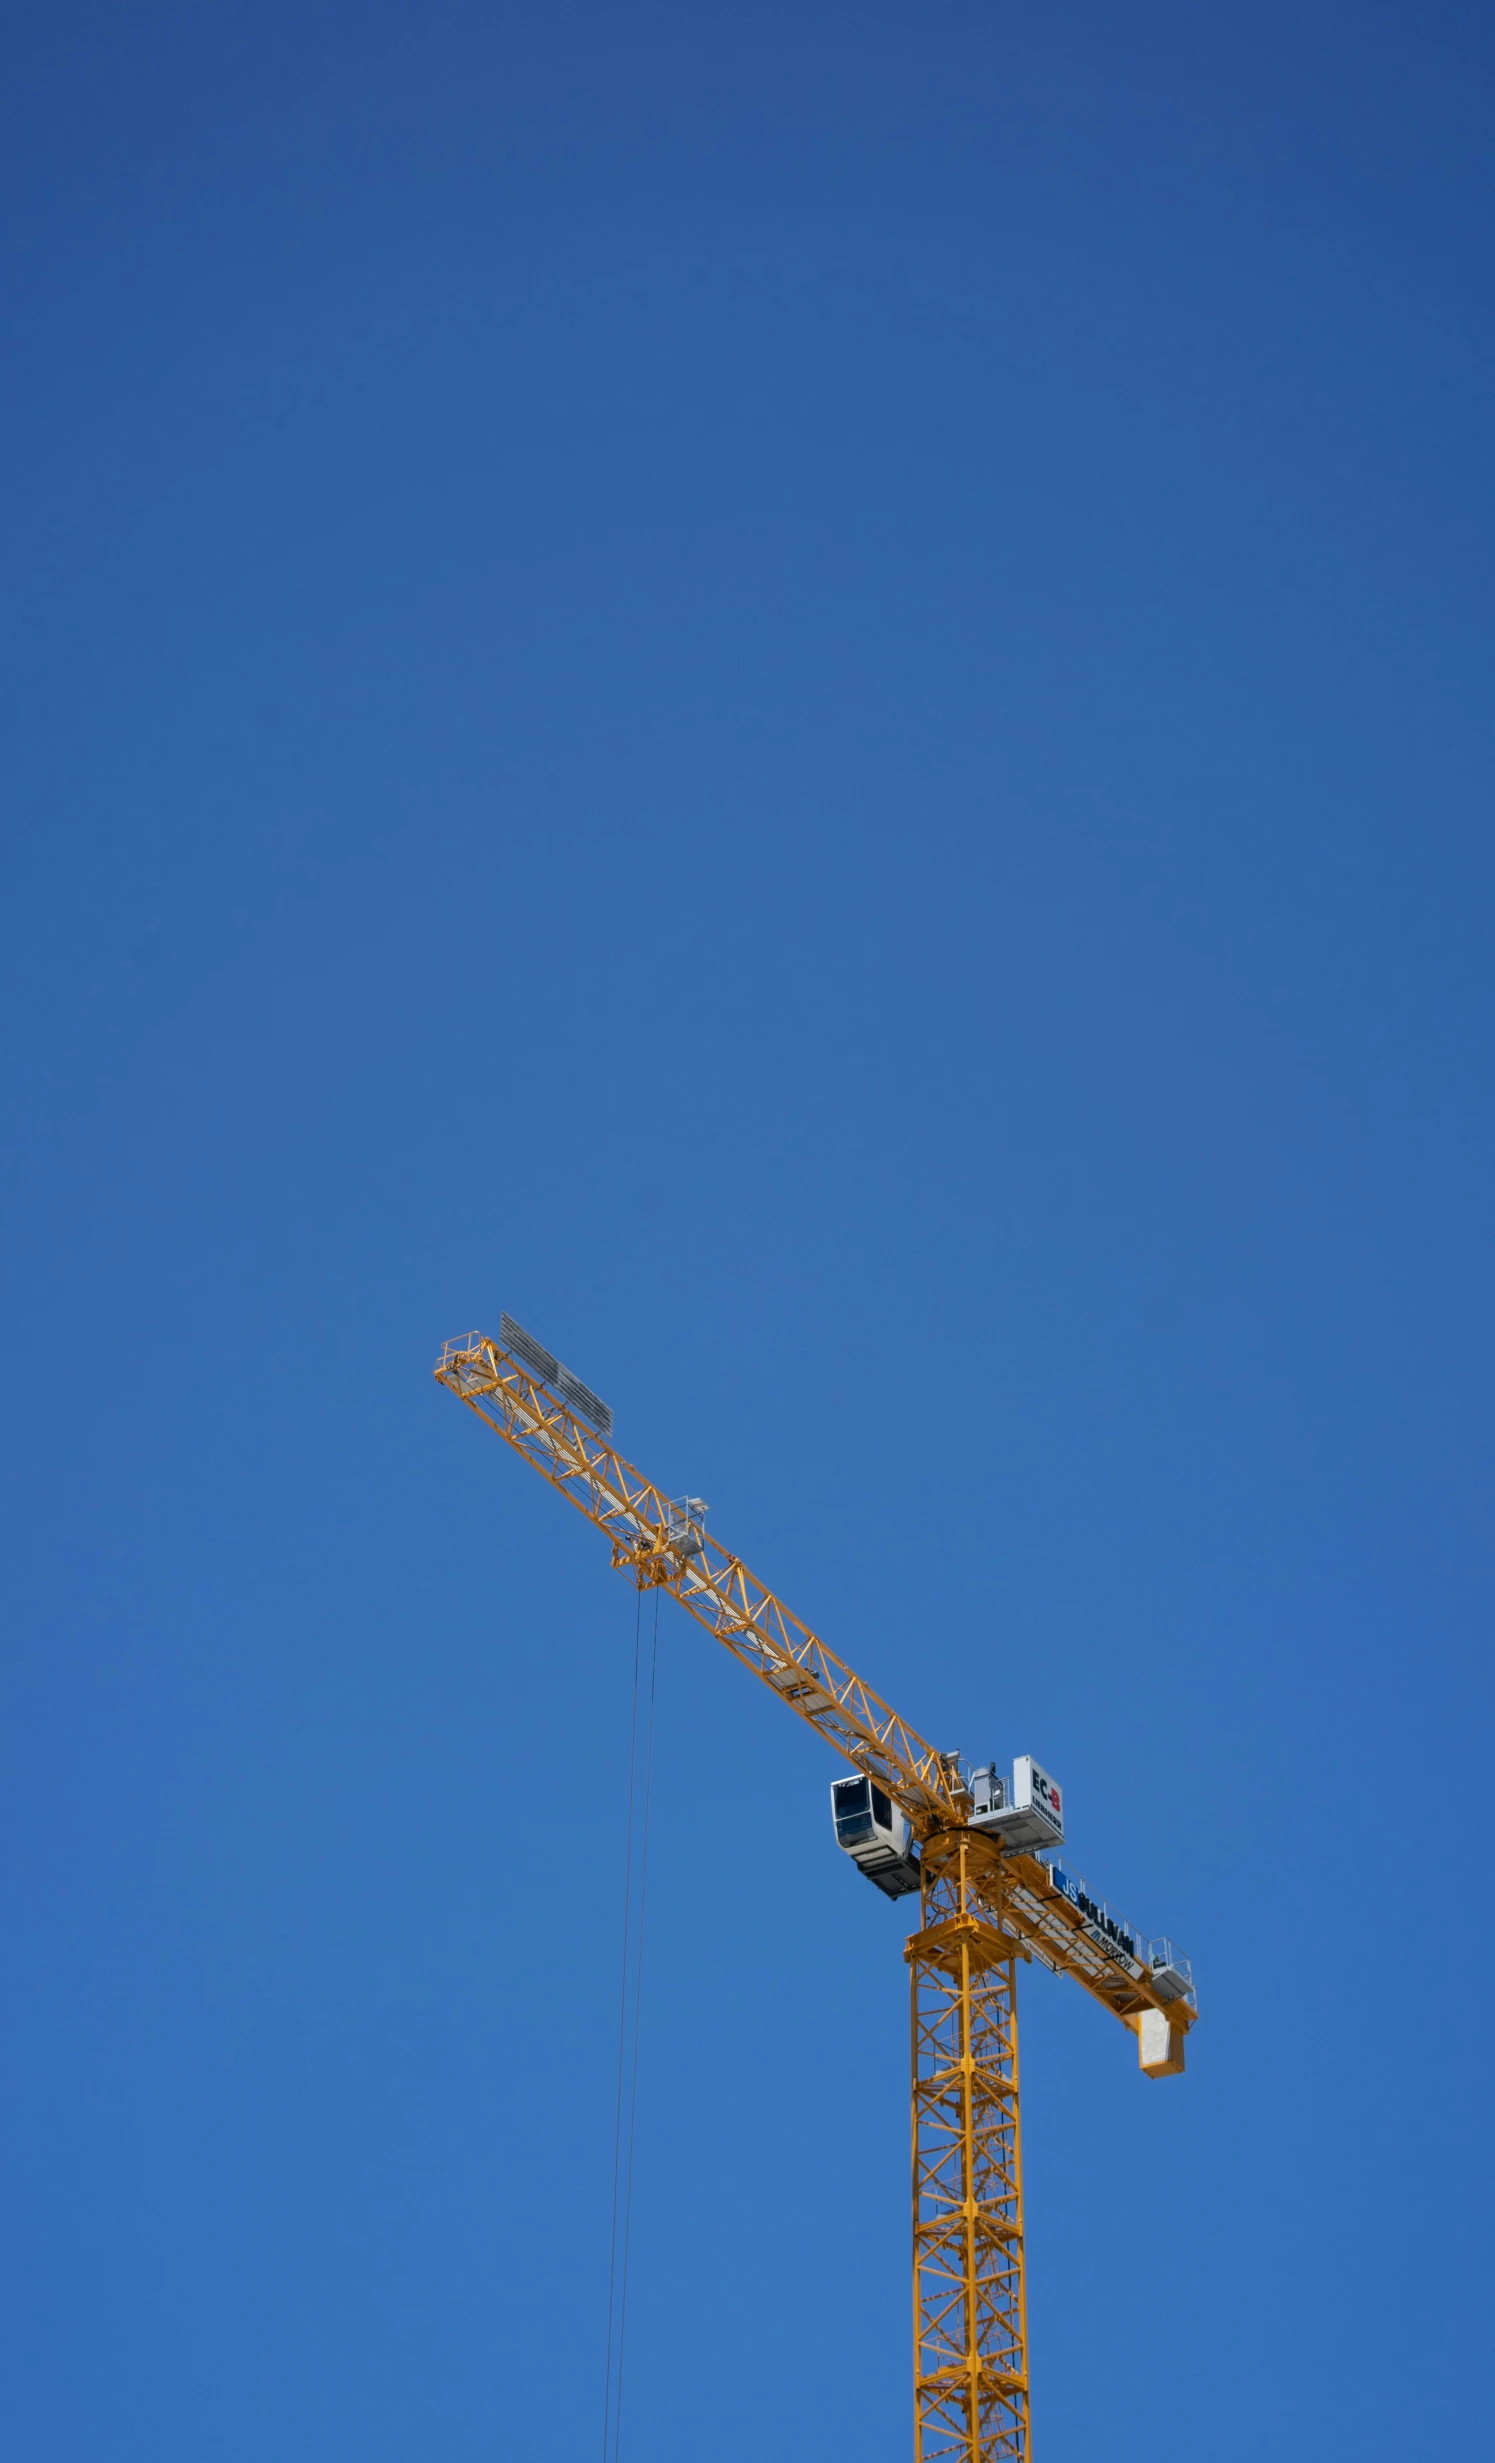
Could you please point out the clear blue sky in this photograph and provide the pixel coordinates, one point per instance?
(802, 690)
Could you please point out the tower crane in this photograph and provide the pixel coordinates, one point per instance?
(981, 1853)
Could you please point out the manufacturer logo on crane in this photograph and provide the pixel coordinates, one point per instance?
(1108, 1932)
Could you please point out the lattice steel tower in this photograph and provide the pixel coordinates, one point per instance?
(970, 2291)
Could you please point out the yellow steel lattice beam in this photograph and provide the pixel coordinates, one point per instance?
(650, 1543)
(653, 1546)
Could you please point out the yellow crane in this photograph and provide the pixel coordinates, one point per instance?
(981, 1854)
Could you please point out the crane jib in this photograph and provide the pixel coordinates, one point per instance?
(662, 1541)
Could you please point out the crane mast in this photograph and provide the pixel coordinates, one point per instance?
(984, 1904)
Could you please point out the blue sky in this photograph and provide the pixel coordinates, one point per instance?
(803, 692)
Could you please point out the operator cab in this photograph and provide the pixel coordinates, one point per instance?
(875, 1834)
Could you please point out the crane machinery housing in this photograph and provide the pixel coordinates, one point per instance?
(980, 1851)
